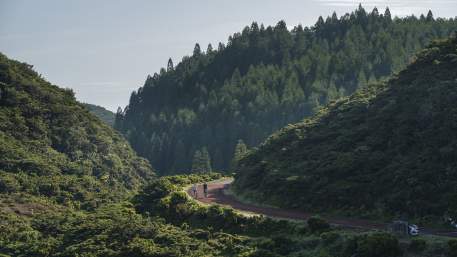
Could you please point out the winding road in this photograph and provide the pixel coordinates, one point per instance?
(216, 195)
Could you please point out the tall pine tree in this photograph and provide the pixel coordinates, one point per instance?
(240, 150)
(201, 161)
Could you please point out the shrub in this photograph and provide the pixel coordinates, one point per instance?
(330, 237)
(8, 184)
(417, 245)
(378, 245)
(201, 234)
(452, 245)
(151, 195)
(284, 245)
(317, 224)
(263, 253)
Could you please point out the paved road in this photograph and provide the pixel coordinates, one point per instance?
(216, 195)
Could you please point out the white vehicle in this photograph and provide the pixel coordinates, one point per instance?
(413, 230)
(452, 222)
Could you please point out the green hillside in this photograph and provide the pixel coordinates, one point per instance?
(263, 79)
(102, 113)
(71, 186)
(390, 149)
(50, 145)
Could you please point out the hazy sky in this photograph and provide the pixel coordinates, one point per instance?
(104, 50)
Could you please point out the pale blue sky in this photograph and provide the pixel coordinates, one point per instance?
(104, 49)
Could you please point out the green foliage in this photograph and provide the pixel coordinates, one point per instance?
(399, 133)
(240, 150)
(317, 225)
(378, 245)
(50, 145)
(164, 198)
(452, 245)
(118, 230)
(264, 79)
(202, 161)
(102, 113)
(417, 245)
(113, 230)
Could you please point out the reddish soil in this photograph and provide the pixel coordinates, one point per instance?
(216, 195)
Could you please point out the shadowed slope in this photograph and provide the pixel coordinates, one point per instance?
(390, 148)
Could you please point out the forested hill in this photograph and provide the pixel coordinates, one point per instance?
(388, 149)
(102, 113)
(50, 145)
(263, 79)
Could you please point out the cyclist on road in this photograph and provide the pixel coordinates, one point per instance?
(205, 190)
(194, 190)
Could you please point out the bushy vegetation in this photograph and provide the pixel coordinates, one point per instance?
(112, 230)
(452, 244)
(263, 79)
(387, 150)
(51, 146)
(102, 113)
(317, 224)
(375, 245)
(163, 221)
(417, 245)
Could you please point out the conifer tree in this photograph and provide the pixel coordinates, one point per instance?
(320, 22)
(422, 17)
(361, 13)
(118, 119)
(255, 27)
(170, 66)
(375, 12)
(196, 162)
(362, 79)
(240, 150)
(220, 47)
(209, 49)
(201, 161)
(387, 14)
(263, 79)
(430, 16)
(206, 160)
(197, 50)
(334, 18)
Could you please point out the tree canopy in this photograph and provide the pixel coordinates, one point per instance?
(263, 79)
(389, 150)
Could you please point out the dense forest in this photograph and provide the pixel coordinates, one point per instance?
(51, 145)
(71, 186)
(263, 79)
(102, 113)
(389, 150)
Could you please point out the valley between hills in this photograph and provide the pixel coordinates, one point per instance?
(333, 140)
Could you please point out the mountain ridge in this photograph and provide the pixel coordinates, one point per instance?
(101, 112)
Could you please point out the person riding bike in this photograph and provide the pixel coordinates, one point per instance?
(205, 189)
(194, 190)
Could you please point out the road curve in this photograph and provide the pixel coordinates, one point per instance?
(216, 195)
